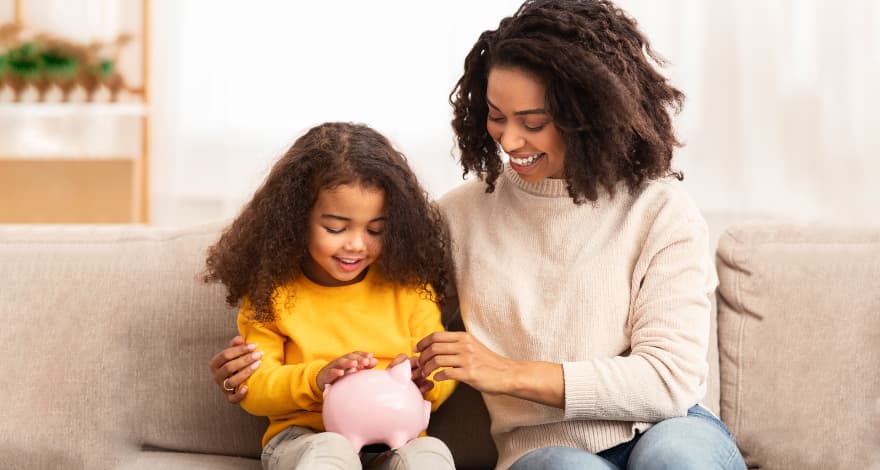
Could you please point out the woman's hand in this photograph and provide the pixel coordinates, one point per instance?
(467, 360)
(345, 365)
(423, 383)
(233, 366)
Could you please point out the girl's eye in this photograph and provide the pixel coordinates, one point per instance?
(375, 233)
(330, 230)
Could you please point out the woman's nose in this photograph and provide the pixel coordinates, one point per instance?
(511, 140)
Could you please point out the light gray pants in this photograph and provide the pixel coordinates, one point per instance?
(303, 449)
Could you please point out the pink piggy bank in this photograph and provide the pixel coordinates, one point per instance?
(376, 406)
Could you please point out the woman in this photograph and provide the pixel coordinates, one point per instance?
(582, 267)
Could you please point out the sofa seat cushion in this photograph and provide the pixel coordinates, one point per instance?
(799, 344)
(185, 461)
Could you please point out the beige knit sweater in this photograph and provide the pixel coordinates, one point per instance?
(616, 291)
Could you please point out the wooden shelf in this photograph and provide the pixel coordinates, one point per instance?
(40, 192)
(65, 158)
(82, 180)
(84, 110)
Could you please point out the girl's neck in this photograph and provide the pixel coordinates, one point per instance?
(311, 271)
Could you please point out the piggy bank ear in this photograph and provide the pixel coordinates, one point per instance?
(402, 372)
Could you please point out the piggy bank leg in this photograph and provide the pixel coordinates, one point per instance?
(356, 442)
(398, 440)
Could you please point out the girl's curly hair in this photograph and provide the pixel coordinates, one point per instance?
(265, 246)
(608, 101)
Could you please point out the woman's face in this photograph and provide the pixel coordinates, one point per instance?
(345, 234)
(519, 122)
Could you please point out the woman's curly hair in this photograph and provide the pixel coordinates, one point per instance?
(266, 245)
(610, 104)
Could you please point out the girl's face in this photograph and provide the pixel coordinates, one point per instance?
(345, 234)
(519, 122)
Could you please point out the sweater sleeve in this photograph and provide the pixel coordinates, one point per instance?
(425, 320)
(665, 371)
(276, 388)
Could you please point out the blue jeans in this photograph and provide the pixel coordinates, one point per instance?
(696, 441)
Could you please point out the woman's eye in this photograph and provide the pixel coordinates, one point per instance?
(496, 119)
(330, 230)
(534, 128)
(376, 233)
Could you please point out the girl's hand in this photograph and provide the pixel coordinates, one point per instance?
(345, 365)
(234, 365)
(424, 384)
(465, 359)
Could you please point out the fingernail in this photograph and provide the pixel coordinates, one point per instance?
(242, 389)
(255, 365)
(257, 355)
(251, 346)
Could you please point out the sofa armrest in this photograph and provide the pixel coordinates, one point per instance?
(799, 344)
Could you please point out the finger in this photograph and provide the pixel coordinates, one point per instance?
(238, 340)
(438, 337)
(440, 361)
(363, 360)
(450, 373)
(230, 353)
(242, 375)
(397, 360)
(440, 349)
(426, 386)
(359, 357)
(238, 396)
(242, 362)
(445, 375)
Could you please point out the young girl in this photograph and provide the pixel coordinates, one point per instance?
(339, 263)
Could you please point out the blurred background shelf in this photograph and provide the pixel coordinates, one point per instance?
(17, 110)
(80, 161)
(67, 191)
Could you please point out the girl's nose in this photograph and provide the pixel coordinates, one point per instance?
(356, 242)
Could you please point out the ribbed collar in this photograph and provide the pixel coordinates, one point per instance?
(370, 278)
(547, 187)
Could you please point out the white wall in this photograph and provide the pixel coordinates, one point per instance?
(781, 118)
(240, 81)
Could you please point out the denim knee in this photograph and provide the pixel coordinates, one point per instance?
(561, 458)
(697, 441)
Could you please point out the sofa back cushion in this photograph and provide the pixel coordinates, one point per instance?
(106, 337)
(799, 343)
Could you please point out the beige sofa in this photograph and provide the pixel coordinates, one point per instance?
(105, 336)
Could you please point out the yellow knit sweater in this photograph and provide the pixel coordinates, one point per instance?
(315, 324)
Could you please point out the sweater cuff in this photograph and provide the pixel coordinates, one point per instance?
(311, 374)
(581, 395)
